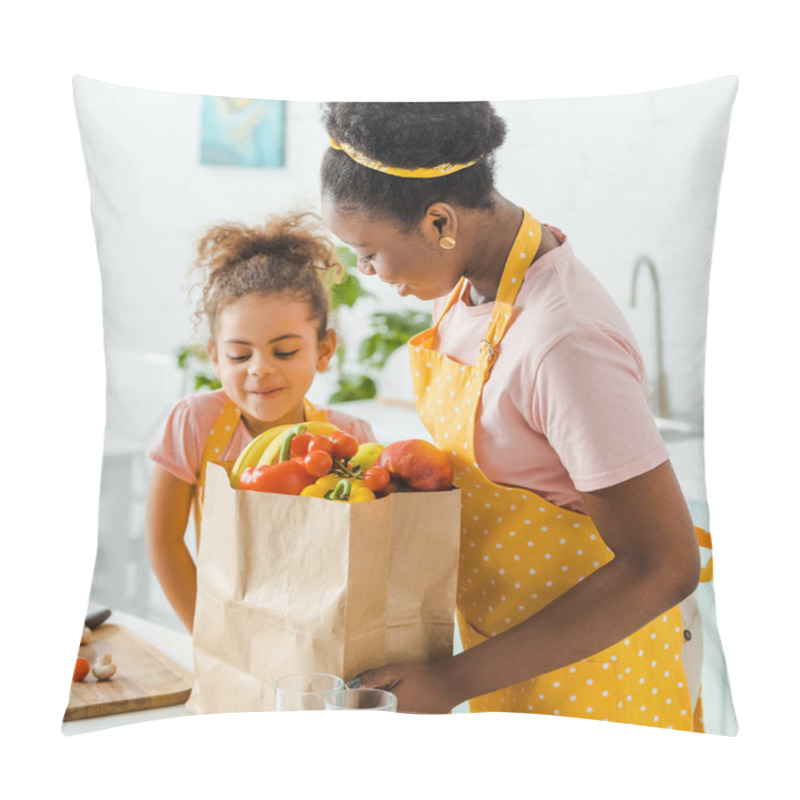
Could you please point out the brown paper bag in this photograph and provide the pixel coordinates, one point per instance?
(287, 585)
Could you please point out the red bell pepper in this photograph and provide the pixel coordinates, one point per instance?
(287, 477)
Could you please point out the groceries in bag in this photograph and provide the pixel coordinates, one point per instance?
(316, 459)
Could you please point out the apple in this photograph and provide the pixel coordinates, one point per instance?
(395, 486)
(367, 454)
(422, 466)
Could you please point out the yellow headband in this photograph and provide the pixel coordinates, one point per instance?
(422, 172)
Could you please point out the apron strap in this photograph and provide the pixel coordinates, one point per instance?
(451, 300)
(526, 245)
(520, 257)
(704, 540)
(216, 442)
(313, 414)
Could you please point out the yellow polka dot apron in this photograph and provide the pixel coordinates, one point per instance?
(216, 442)
(520, 552)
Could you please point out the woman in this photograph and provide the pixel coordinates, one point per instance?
(577, 545)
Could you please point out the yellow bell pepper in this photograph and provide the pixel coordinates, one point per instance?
(321, 486)
(343, 490)
(358, 492)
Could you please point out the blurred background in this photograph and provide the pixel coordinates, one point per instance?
(632, 181)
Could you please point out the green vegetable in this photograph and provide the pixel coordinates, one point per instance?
(286, 445)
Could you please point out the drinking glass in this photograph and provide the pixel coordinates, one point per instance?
(361, 700)
(306, 692)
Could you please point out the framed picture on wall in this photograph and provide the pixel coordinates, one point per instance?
(238, 132)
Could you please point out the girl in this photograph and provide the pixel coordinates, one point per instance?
(577, 544)
(267, 314)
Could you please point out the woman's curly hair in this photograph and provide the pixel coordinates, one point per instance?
(286, 255)
(411, 135)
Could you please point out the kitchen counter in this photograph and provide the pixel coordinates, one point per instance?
(175, 644)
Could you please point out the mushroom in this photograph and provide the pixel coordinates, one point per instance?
(86, 635)
(104, 669)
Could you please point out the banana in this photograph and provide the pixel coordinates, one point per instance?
(320, 428)
(271, 454)
(249, 457)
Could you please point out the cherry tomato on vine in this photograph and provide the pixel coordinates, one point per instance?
(318, 463)
(81, 670)
(300, 443)
(323, 443)
(377, 478)
(344, 445)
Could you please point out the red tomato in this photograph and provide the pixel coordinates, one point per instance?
(318, 463)
(376, 478)
(321, 443)
(288, 477)
(82, 668)
(301, 442)
(344, 445)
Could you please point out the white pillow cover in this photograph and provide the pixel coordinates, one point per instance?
(649, 164)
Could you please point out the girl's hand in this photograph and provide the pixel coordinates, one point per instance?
(420, 688)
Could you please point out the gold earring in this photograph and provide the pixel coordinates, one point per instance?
(447, 242)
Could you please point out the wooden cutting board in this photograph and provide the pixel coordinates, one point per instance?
(145, 677)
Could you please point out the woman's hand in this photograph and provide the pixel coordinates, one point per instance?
(656, 564)
(420, 688)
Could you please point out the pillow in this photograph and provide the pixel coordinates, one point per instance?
(633, 180)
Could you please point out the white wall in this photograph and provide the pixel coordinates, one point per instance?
(625, 177)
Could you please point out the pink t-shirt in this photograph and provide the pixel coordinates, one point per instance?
(179, 446)
(566, 406)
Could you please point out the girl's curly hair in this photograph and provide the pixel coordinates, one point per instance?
(288, 254)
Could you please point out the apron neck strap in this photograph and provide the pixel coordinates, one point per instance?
(222, 432)
(216, 441)
(313, 414)
(520, 257)
(451, 301)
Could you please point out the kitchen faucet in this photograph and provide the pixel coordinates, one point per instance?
(660, 402)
